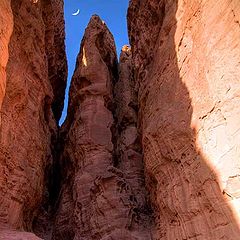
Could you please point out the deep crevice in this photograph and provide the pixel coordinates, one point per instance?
(57, 67)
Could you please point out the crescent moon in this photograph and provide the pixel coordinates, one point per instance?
(76, 13)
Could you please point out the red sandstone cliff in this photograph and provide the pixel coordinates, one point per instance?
(186, 56)
(36, 66)
(150, 146)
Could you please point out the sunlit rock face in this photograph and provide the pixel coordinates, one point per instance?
(6, 27)
(28, 126)
(101, 196)
(186, 56)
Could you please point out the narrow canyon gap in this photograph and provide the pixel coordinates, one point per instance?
(150, 147)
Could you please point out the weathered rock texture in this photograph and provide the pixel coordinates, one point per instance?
(15, 235)
(187, 62)
(36, 68)
(101, 197)
(52, 15)
(128, 150)
(150, 146)
(6, 27)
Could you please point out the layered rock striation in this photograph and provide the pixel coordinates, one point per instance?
(188, 114)
(150, 146)
(37, 64)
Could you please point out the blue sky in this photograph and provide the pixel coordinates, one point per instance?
(113, 12)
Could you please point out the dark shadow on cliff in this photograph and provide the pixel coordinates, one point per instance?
(185, 191)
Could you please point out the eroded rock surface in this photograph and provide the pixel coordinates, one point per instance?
(150, 146)
(186, 60)
(17, 235)
(52, 15)
(128, 150)
(100, 198)
(6, 27)
(36, 65)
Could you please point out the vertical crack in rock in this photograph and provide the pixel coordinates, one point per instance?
(54, 44)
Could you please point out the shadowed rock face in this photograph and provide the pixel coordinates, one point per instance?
(52, 15)
(16, 235)
(149, 149)
(188, 113)
(28, 129)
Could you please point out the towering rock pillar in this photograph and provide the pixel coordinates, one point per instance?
(97, 198)
(186, 56)
(88, 146)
